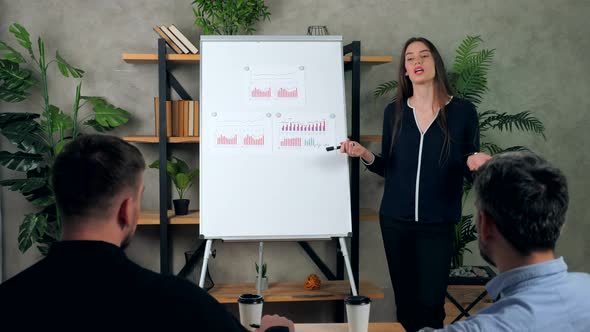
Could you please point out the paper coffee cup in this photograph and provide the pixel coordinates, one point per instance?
(250, 306)
(357, 312)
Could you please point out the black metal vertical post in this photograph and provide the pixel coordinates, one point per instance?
(163, 96)
(355, 167)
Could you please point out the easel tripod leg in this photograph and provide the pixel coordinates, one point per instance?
(206, 256)
(348, 266)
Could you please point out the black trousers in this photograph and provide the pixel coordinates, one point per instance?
(419, 260)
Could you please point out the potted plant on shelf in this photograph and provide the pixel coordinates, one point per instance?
(182, 177)
(229, 17)
(468, 79)
(40, 137)
(262, 273)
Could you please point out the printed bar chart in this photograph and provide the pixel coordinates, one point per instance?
(291, 142)
(297, 126)
(285, 93)
(224, 140)
(259, 93)
(304, 133)
(251, 140)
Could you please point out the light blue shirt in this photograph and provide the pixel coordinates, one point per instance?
(539, 297)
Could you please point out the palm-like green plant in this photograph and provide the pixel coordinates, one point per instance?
(40, 137)
(468, 79)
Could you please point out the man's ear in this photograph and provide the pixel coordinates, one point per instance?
(125, 213)
(487, 225)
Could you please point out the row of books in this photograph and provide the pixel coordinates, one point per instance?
(176, 39)
(182, 117)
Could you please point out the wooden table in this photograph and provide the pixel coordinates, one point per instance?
(343, 327)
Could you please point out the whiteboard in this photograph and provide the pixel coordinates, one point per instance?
(269, 107)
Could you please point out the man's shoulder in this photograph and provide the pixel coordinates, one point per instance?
(581, 277)
(23, 279)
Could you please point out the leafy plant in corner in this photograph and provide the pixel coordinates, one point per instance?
(468, 79)
(182, 177)
(229, 17)
(40, 137)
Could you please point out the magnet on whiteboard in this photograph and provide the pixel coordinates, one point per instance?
(214, 114)
(301, 67)
(332, 116)
(246, 68)
(278, 115)
(268, 115)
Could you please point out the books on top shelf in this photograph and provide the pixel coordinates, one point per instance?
(187, 43)
(176, 39)
(182, 117)
(167, 39)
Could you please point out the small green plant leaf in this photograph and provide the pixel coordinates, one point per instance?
(31, 230)
(66, 69)
(23, 37)
(10, 54)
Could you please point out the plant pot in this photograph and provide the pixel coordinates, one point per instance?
(181, 206)
(264, 284)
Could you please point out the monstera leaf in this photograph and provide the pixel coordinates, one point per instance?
(20, 161)
(107, 116)
(24, 186)
(31, 230)
(59, 120)
(15, 82)
(23, 131)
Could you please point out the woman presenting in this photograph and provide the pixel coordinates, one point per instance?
(430, 143)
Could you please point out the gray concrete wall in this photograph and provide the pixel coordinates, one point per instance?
(540, 65)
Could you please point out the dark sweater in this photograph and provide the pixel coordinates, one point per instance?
(419, 175)
(94, 284)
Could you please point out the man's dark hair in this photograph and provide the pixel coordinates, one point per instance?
(526, 196)
(91, 170)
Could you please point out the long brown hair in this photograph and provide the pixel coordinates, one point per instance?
(442, 90)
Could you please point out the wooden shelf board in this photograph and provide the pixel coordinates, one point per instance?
(153, 57)
(153, 218)
(371, 58)
(155, 139)
(371, 138)
(368, 215)
(294, 291)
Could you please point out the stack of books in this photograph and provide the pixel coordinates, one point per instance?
(176, 39)
(182, 117)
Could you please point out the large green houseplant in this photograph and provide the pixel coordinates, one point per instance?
(39, 137)
(468, 78)
(229, 17)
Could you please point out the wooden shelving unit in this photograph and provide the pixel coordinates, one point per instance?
(153, 218)
(337, 288)
(153, 58)
(155, 139)
(294, 292)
